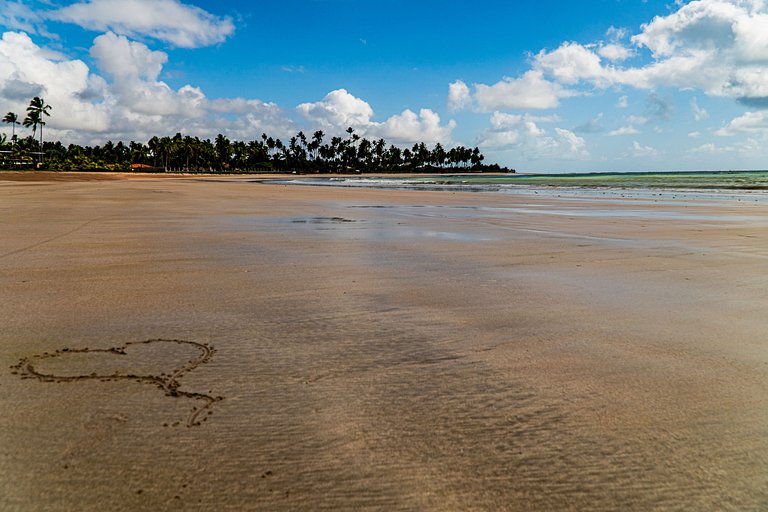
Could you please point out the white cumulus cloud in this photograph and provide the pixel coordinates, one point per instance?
(340, 110)
(408, 127)
(531, 91)
(615, 52)
(572, 63)
(127, 60)
(134, 70)
(521, 133)
(749, 122)
(172, 21)
(459, 96)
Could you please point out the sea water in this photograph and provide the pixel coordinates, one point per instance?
(722, 185)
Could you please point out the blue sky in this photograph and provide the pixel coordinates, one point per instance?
(548, 86)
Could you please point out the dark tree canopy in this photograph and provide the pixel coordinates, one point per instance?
(300, 154)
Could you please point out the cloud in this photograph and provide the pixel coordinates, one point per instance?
(459, 96)
(624, 130)
(531, 91)
(19, 90)
(339, 109)
(131, 103)
(572, 63)
(18, 16)
(748, 148)
(719, 47)
(638, 120)
(521, 133)
(134, 70)
(696, 26)
(659, 108)
(711, 149)
(126, 60)
(591, 126)
(142, 104)
(27, 70)
(408, 127)
(125, 99)
(754, 102)
(615, 52)
(616, 33)
(639, 151)
(623, 102)
(699, 113)
(171, 21)
(750, 122)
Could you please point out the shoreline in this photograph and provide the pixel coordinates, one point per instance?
(428, 182)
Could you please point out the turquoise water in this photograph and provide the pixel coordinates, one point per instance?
(724, 180)
(724, 185)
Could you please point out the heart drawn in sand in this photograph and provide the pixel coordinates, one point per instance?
(147, 361)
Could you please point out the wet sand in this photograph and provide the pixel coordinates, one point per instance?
(377, 349)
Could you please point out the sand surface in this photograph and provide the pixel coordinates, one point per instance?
(217, 344)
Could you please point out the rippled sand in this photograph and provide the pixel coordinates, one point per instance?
(387, 350)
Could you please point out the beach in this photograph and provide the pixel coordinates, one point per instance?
(220, 343)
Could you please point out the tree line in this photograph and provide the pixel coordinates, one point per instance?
(183, 153)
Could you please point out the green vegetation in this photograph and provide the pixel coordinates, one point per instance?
(301, 154)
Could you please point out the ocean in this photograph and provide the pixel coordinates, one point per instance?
(714, 185)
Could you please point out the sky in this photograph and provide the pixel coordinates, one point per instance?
(545, 86)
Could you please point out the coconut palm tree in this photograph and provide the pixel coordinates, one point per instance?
(39, 107)
(223, 151)
(13, 120)
(32, 121)
(317, 141)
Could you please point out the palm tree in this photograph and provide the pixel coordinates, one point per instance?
(32, 120)
(223, 151)
(317, 141)
(153, 145)
(41, 108)
(160, 148)
(438, 155)
(13, 120)
(477, 158)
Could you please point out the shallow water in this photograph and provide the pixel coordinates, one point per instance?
(749, 186)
